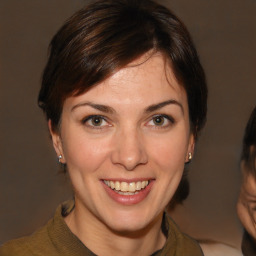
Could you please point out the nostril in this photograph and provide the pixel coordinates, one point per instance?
(129, 150)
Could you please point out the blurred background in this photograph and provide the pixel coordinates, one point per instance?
(224, 33)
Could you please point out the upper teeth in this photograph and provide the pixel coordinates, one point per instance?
(126, 187)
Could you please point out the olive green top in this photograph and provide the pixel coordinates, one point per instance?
(56, 239)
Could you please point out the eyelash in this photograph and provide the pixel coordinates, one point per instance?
(167, 118)
(253, 207)
(90, 118)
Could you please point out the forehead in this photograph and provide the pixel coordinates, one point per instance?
(249, 184)
(145, 68)
(148, 78)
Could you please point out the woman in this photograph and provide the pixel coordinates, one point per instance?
(246, 205)
(125, 97)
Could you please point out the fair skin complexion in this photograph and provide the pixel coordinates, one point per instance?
(131, 133)
(246, 205)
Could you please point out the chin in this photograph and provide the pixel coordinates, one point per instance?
(129, 229)
(130, 222)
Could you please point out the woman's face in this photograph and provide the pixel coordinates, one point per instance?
(125, 142)
(246, 205)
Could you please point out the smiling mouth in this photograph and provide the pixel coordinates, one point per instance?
(125, 188)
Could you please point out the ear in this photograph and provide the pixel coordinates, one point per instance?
(191, 148)
(57, 143)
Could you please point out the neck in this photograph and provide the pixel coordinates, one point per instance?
(102, 240)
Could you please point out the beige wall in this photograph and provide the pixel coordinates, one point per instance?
(225, 35)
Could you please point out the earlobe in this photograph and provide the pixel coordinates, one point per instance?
(191, 148)
(57, 143)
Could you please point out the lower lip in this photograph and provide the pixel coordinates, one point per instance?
(129, 199)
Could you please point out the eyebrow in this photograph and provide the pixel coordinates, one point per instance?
(252, 197)
(102, 108)
(110, 110)
(157, 106)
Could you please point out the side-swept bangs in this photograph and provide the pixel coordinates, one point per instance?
(106, 36)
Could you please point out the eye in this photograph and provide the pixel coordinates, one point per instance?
(95, 121)
(161, 121)
(253, 207)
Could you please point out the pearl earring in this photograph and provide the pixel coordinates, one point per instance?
(59, 158)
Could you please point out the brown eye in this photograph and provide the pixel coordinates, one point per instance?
(96, 121)
(158, 120)
(161, 121)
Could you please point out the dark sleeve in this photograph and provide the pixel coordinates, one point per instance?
(248, 245)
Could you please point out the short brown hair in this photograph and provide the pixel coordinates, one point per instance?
(107, 35)
(249, 145)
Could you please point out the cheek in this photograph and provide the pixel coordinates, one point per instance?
(170, 151)
(245, 218)
(242, 213)
(84, 154)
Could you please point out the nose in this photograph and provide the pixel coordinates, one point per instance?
(129, 150)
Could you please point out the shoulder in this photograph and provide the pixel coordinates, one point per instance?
(28, 245)
(15, 247)
(48, 240)
(218, 249)
(35, 244)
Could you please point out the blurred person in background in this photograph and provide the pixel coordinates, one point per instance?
(246, 205)
(210, 247)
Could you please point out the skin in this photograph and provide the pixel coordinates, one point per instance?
(218, 249)
(127, 145)
(246, 205)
